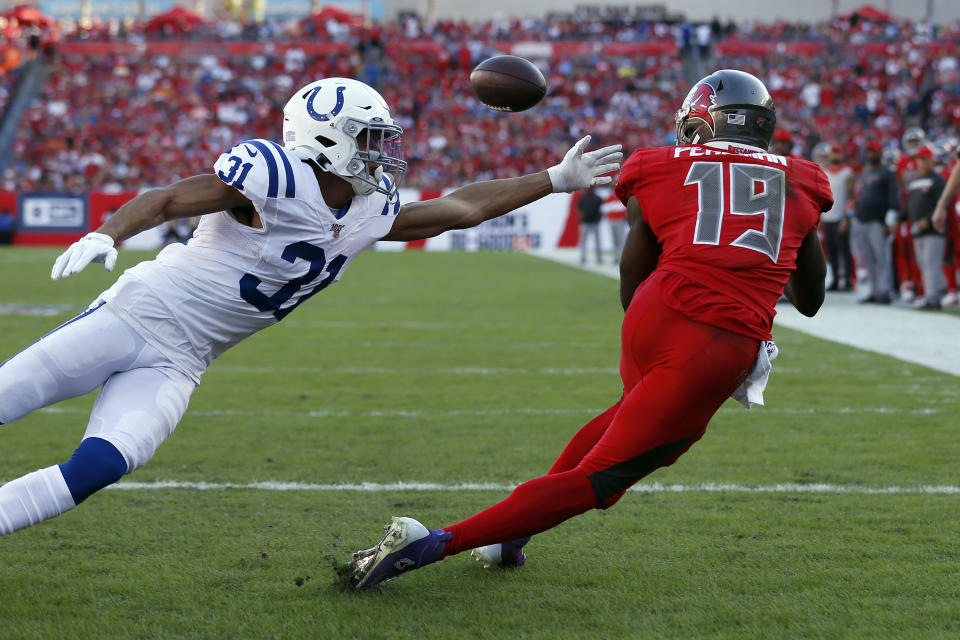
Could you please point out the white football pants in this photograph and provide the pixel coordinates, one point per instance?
(143, 395)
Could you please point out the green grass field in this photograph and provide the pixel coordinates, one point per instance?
(476, 368)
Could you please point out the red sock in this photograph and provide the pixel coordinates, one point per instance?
(533, 507)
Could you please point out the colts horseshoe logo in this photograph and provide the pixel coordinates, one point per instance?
(320, 116)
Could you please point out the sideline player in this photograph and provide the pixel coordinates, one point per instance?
(279, 225)
(905, 262)
(719, 228)
(945, 220)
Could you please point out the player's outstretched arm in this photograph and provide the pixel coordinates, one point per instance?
(470, 205)
(805, 289)
(641, 252)
(189, 197)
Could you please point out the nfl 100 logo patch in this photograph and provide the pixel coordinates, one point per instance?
(336, 229)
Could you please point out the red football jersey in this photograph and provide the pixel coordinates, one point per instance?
(730, 221)
(907, 168)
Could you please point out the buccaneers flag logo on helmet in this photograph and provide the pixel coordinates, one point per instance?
(698, 103)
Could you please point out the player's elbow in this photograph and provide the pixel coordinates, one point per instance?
(807, 296)
(808, 306)
(466, 217)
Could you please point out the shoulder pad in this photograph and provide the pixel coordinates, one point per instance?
(261, 169)
(630, 176)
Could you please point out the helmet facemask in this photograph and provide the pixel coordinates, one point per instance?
(379, 151)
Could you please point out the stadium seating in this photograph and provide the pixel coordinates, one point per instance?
(123, 111)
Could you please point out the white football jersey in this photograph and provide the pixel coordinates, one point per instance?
(195, 301)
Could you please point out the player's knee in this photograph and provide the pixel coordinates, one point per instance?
(611, 483)
(95, 464)
(609, 486)
(611, 500)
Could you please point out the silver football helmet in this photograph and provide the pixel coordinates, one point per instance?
(344, 126)
(913, 138)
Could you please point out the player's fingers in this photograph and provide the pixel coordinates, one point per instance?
(604, 159)
(604, 151)
(582, 144)
(78, 261)
(610, 159)
(606, 168)
(601, 180)
(614, 148)
(59, 265)
(110, 260)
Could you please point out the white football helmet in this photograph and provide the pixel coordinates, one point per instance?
(344, 126)
(821, 153)
(913, 139)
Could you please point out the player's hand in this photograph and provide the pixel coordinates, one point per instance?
(940, 218)
(93, 247)
(579, 170)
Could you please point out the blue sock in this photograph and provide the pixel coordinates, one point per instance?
(95, 464)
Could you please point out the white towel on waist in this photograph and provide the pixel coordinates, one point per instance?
(750, 391)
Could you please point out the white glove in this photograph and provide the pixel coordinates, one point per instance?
(93, 247)
(579, 170)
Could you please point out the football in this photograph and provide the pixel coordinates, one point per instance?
(508, 83)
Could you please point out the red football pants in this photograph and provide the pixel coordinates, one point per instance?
(676, 373)
(905, 259)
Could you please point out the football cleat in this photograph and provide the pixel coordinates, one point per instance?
(505, 554)
(407, 545)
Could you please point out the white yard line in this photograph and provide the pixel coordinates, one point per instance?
(928, 338)
(453, 371)
(655, 487)
(517, 411)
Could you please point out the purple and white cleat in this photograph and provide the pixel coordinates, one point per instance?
(504, 554)
(407, 545)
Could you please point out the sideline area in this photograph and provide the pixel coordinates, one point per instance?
(929, 338)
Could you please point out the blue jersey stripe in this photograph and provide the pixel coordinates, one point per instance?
(273, 173)
(386, 205)
(288, 171)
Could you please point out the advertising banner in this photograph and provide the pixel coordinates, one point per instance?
(53, 212)
(538, 225)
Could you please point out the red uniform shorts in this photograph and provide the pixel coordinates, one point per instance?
(676, 373)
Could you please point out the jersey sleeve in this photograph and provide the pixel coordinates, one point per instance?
(629, 180)
(823, 190)
(260, 169)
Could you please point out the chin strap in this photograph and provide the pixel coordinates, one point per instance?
(363, 187)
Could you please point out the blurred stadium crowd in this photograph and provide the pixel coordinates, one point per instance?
(128, 118)
(127, 106)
